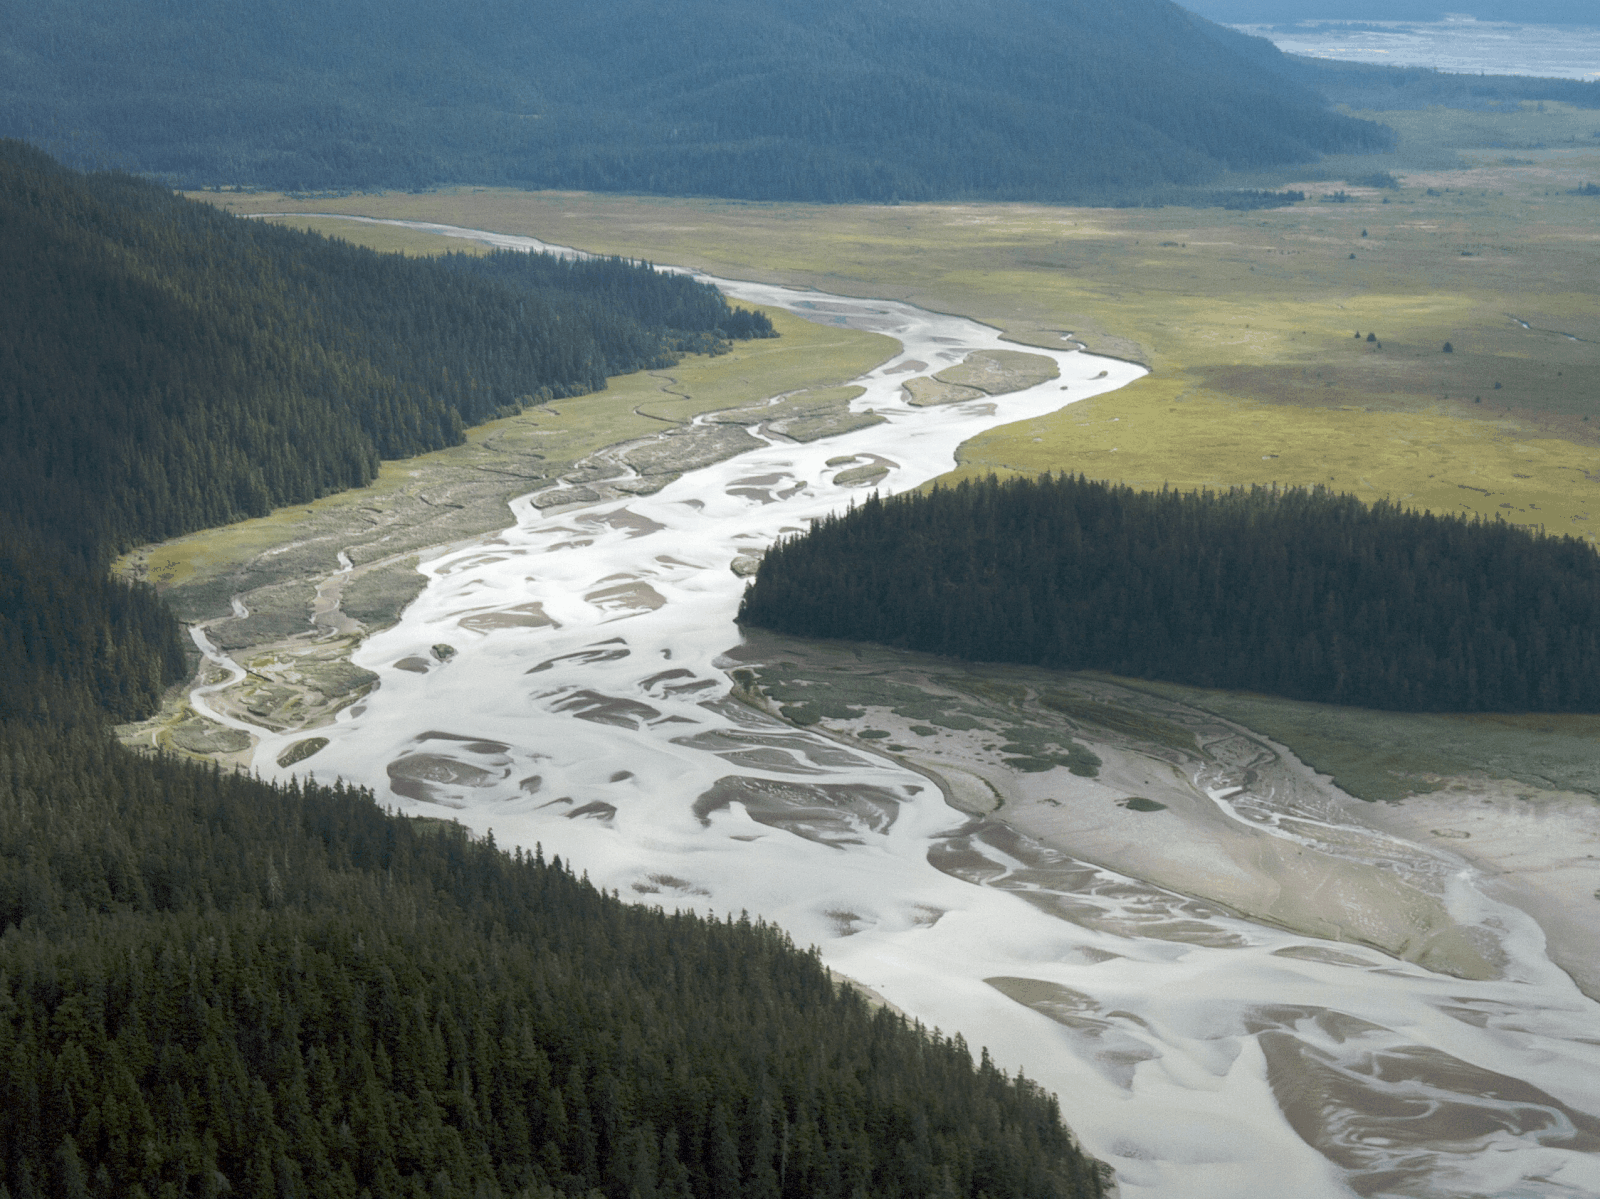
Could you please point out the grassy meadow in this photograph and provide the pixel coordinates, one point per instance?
(387, 239)
(1248, 321)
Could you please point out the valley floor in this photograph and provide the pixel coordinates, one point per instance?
(1172, 824)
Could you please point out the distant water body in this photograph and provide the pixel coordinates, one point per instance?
(1459, 44)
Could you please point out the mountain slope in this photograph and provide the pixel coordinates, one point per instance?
(165, 366)
(210, 985)
(838, 100)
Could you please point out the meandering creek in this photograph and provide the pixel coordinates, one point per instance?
(583, 704)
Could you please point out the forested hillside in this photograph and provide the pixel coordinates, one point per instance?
(1304, 594)
(166, 367)
(77, 646)
(832, 100)
(210, 986)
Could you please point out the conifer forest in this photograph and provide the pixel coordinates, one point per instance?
(1298, 593)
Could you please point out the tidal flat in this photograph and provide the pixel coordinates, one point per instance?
(1155, 787)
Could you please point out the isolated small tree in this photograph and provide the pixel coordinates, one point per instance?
(1448, 348)
(1372, 337)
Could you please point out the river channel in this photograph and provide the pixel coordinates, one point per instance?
(584, 704)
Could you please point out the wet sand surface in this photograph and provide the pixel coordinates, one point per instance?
(1538, 849)
(1235, 988)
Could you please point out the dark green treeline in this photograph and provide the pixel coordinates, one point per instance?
(209, 985)
(1298, 593)
(166, 367)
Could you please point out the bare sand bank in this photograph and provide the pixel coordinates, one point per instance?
(1195, 804)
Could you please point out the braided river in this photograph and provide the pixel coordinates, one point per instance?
(588, 708)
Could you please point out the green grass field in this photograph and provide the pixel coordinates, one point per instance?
(1246, 319)
(388, 239)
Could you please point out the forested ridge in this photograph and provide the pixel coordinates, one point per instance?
(832, 101)
(210, 985)
(1305, 594)
(165, 366)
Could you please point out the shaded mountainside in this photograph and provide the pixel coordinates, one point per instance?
(834, 100)
(166, 367)
(78, 646)
(1303, 594)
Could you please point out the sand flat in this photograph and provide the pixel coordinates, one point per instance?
(1541, 848)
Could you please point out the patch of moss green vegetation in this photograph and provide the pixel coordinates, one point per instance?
(1138, 803)
(1039, 749)
(340, 680)
(1120, 720)
(1389, 755)
(301, 750)
(276, 613)
(377, 597)
(802, 700)
(861, 476)
(204, 737)
(997, 372)
(809, 694)
(954, 721)
(807, 415)
(926, 392)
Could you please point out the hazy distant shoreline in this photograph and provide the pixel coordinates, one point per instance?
(1460, 45)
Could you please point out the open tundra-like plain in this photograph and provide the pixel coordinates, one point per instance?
(1237, 984)
(1254, 325)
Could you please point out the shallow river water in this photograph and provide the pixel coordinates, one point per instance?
(586, 708)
